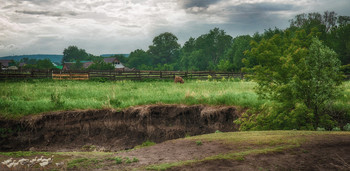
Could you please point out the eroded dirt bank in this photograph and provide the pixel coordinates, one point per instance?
(110, 130)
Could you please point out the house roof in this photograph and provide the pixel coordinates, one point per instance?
(68, 65)
(87, 64)
(110, 60)
(5, 62)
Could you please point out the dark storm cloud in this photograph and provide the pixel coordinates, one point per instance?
(186, 4)
(260, 16)
(47, 13)
(264, 7)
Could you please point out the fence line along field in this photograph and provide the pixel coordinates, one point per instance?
(19, 98)
(113, 75)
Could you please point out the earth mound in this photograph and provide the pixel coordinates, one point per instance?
(111, 130)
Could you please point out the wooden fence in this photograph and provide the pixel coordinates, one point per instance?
(115, 75)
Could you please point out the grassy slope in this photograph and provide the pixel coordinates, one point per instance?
(245, 143)
(22, 98)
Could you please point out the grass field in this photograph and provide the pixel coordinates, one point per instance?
(36, 96)
(31, 97)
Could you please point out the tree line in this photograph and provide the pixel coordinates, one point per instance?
(217, 50)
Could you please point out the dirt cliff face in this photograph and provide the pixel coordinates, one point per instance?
(112, 130)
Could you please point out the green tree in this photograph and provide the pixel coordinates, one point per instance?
(77, 65)
(236, 53)
(164, 49)
(299, 73)
(44, 64)
(139, 58)
(205, 52)
(73, 53)
(101, 65)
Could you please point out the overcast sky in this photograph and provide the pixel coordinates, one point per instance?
(121, 26)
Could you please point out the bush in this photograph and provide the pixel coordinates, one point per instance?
(336, 129)
(347, 127)
(320, 129)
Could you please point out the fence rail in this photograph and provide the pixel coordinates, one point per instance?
(116, 75)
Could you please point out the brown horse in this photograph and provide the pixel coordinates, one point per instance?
(178, 80)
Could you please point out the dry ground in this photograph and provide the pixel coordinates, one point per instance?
(265, 150)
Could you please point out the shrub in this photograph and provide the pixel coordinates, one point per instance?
(320, 129)
(287, 70)
(347, 127)
(336, 129)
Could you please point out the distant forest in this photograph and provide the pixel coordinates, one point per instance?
(217, 50)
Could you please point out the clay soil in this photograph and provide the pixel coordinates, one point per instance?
(321, 153)
(328, 153)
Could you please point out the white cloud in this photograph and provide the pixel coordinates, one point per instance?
(109, 26)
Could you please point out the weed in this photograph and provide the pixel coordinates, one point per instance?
(127, 160)
(187, 135)
(56, 99)
(145, 144)
(135, 160)
(199, 143)
(118, 160)
(88, 148)
(115, 102)
(239, 158)
(217, 131)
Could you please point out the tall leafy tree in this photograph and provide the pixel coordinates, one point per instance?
(233, 57)
(73, 53)
(300, 73)
(164, 49)
(205, 52)
(139, 59)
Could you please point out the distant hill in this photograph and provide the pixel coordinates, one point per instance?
(109, 55)
(53, 58)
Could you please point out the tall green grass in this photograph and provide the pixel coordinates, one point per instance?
(31, 97)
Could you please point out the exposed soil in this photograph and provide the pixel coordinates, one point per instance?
(110, 130)
(327, 153)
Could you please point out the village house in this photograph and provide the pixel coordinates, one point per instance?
(68, 65)
(5, 64)
(116, 63)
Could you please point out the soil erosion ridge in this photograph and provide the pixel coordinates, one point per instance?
(111, 130)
